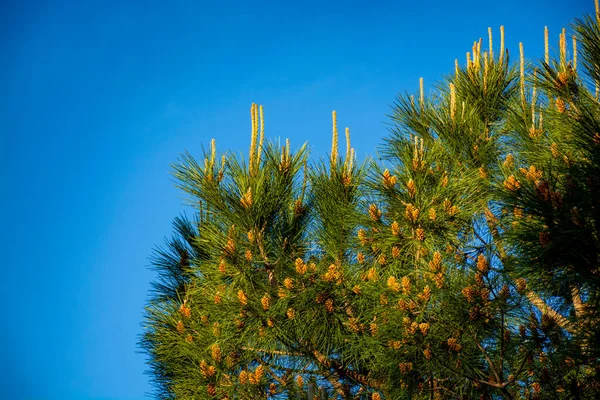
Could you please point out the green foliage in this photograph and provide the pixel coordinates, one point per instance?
(463, 264)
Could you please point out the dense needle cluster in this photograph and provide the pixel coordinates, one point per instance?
(462, 264)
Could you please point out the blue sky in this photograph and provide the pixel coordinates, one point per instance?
(97, 99)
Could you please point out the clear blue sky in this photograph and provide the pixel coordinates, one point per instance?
(98, 99)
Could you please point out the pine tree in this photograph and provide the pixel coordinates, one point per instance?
(462, 264)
